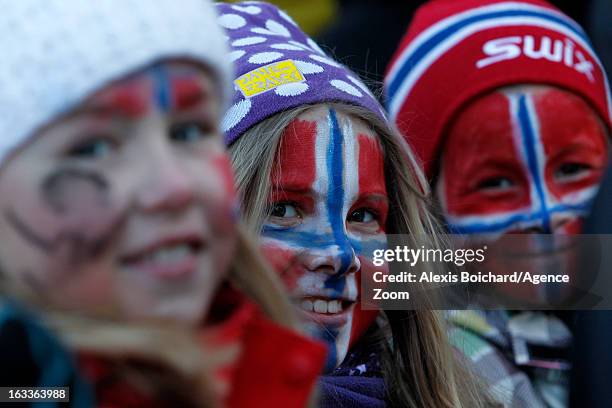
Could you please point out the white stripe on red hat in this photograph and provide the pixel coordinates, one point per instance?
(414, 61)
(455, 18)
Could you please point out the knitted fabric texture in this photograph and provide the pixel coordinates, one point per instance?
(279, 67)
(55, 53)
(455, 50)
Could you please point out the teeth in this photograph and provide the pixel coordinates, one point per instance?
(307, 305)
(322, 306)
(170, 254)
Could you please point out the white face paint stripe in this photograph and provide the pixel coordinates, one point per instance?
(541, 158)
(321, 181)
(344, 337)
(520, 148)
(351, 165)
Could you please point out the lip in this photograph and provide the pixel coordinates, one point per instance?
(325, 294)
(335, 320)
(176, 270)
(140, 257)
(332, 320)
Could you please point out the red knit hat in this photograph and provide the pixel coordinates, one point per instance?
(457, 49)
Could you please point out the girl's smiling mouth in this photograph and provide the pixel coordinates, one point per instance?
(171, 257)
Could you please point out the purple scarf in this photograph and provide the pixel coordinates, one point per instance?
(357, 382)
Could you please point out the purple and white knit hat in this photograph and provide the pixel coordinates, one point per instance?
(278, 67)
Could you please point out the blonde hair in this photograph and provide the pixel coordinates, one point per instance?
(173, 356)
(419, 367)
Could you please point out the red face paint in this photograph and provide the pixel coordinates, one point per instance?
(105, 189)
(295, 168)
(523, 160)
(571, 133)
(371, 157)
(129, 99)
(159, 89)
(187, 92)
(363, 319)
(329, 209)
(519, 160)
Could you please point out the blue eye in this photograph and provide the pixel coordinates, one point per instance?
(191, 132)
(97, 148)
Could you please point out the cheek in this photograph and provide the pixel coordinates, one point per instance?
(568, 124)
(363, 319)
(595, 159)
(224, 170)
(571, 227)
(61, 231)
(221, 210)
(218, 194)
(71, 216)
(285, 263)
(93, 290)
(80, 199)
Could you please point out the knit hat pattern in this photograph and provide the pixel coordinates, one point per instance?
(278, 67)
(455, 50)
(56, 53)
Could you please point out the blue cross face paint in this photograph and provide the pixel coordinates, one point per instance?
(522, 159)
(328, 210)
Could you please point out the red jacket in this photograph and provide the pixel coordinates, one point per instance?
(275, 367)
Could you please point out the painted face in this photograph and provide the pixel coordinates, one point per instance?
(125, 205)
(328, 212)
(522, 160)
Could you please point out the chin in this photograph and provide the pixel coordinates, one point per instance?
(180, 312)
(335, 338)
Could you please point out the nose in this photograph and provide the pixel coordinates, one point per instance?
(170, 186)
(539, 229)
(541, 223)
(560, 224)
(334, 260)
(567, 225)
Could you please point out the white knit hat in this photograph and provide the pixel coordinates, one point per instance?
(55, 53)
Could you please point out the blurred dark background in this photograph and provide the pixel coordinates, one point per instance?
(363, 34)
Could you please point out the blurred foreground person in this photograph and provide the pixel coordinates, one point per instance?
(323, 178)
(508, 109)
(118, 216)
